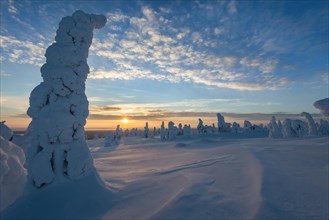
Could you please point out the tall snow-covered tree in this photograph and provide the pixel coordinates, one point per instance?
(59, 105)
(200, 126)
(146, 130)
(162, 132)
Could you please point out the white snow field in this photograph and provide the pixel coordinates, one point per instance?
(202, 177)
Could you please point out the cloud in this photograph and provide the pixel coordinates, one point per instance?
(161, 110)
(232, 7)
(23, 52)
(152, 48)
(104, 108)
(218, 31)
(11, 7)
(265, 66)
(117, 16)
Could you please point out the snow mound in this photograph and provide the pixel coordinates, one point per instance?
(12, 172)
(82, 199)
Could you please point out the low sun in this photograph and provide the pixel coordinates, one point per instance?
(125, 121)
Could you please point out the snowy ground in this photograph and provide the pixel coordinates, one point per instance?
(216, 178)
(200, 178)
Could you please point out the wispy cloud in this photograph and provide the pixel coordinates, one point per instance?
(11, 7)
(153, 49)
(24, 52)
(265, 66)
(232, 7)
(159, 109)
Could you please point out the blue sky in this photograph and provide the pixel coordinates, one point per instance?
(162, 59)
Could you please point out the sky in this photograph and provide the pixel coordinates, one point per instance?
(176, 60)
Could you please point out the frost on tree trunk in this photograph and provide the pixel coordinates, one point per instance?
(59, 106)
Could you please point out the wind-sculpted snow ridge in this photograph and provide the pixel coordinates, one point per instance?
(59, 106)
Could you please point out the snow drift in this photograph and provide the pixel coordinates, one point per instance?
(12, 172)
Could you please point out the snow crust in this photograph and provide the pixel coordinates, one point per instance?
(59, 106)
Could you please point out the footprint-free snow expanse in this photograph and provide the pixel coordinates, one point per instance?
(216, 178)
(205, 177)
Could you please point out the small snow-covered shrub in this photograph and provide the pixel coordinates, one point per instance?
(110, 140)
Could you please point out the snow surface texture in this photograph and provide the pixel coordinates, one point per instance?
(203, 177)
(59, 106)
(323, 106)
(12, 172)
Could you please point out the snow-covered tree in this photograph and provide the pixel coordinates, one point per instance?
(312, 129)
(146, 130)
(220, 123)
(323, 106)
(155, 132)
(162, 132)
(126, 133)
(299, 127)
(323, 128)
(187, 130)
(247, 125)
(274, 130)
(200, 126)
(180, 130)
(223, 127)
(172, 131)
(59, 106)
(118, 132)
(279, 125)
(235, 127)
(287, 130)
(96, 136)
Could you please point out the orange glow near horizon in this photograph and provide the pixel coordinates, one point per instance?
(125, 121)
(21, 124)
